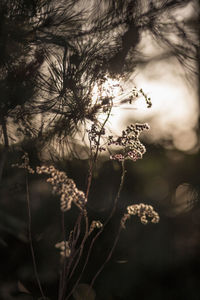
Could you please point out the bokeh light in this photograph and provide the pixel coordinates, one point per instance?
(184, 199)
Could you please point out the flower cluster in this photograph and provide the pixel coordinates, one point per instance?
(25, 164)
(95, 224)
(142, 211)
(136, 93)
(65, 187)
(132, 148)
(64, 248)
(94, 135)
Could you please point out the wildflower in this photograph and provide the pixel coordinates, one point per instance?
(95, 224)
(25, 164)
(142, 211)
(65, 187)
(94, 136)
(129, 141)
(136, 93)
(64, 248)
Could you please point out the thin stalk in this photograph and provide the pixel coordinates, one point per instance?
(62, 275)
(107, 258)
(79, 257)
(80, 250)
(81, 247)
(30, 238)
(108, 219)
(100, 231)
(93, 159)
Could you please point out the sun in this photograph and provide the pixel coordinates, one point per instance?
(106, 88)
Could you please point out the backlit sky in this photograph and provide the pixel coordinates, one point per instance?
(174, 114)
(175, 108)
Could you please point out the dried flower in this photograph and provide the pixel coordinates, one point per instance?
(65, 187)
(64, 248)
(132, 148)
(95, 224)
(136, 93)
(94, 136)
(25, 164)
(142, 211)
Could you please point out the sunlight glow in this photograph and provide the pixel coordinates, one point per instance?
(107, 88)
(175, 110)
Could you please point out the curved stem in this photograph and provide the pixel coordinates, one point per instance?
(100, 231)
(62, 285)
(108, 219)
(79, 257)
(93, 159)
(79, 251)
(107, 258)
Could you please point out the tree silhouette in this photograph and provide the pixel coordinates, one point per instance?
(54, 52)
(28, 31)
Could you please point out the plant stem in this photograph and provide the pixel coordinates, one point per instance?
(109, 217)
(79, 257)
(62, 285)
(99, 232)
(107, 258)
(93, 159)
(30, 238)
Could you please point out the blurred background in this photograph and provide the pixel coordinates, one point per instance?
(158, 55)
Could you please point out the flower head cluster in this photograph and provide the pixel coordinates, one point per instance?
(94, 135)
(65, 187)
(64, 248)
(137, 92)
(95, 224)
(25, 164)
(142, 211)
(129, 141)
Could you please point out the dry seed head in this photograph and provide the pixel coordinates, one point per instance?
(64, 248)
(124, 219)
(65, 187)
(25, 164)
(143, 211)
(95, 224)
(131, 147)
(94, 136)
(137, 92)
